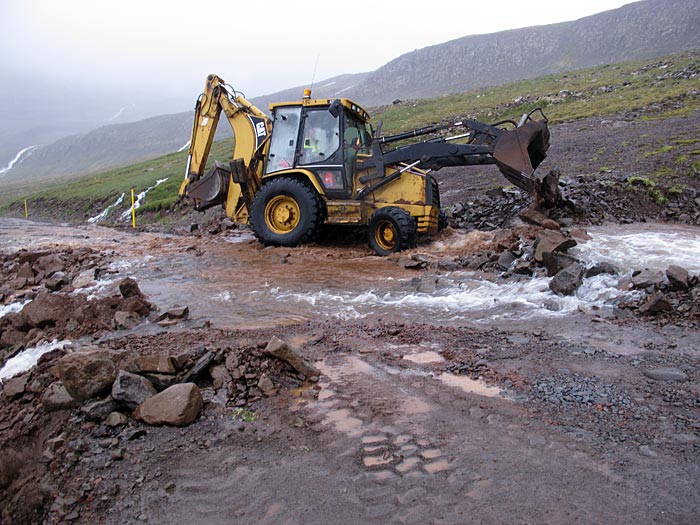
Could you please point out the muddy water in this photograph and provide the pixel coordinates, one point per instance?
(235, 283)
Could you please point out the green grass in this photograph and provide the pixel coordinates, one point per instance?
(630, 88)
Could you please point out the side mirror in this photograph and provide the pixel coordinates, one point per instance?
(335, 108)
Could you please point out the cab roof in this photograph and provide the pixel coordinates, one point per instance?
(353, 107)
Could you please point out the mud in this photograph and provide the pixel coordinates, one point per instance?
(550, 420)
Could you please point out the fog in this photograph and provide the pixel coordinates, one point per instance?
(83, 63)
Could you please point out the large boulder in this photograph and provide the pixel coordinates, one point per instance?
(677, 277)
(87, 374)
(178, 405)
(131, 389)
(47, 309)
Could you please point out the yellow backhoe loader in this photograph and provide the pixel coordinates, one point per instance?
(319, 161)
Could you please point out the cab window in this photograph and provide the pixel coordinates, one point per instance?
(284, 139)
(321, 137)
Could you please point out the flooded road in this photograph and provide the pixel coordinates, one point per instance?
(233, 282)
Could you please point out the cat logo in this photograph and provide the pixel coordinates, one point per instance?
(260, 129)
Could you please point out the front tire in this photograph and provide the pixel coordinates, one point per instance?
(286, 212)
(392, 230)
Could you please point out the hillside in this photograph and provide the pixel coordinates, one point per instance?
(641, 30)
(633, 120)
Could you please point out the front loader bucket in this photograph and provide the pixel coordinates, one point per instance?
(518, 153)
(211, 189)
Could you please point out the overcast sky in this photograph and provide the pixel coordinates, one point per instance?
(258, 47)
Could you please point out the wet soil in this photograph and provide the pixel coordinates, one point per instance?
(546, 420)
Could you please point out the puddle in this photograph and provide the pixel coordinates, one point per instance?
(472, 386)
(376, 461)
(414, 405)
(342, 421)
(437, 466)
(424, 357)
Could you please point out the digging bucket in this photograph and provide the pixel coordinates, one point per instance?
(518, 152)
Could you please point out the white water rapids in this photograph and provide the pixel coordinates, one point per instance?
(462, 296)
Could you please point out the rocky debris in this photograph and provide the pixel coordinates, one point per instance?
(84, 279)
(178, 405)
(14, 387)
(551, 241)
(98, 410)
(87, 374)
(677, 277)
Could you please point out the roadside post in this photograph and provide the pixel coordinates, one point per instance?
(26, 210)
(133, 210)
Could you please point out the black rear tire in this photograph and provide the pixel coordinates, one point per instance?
(392, 230)
(286, 212)
(443, 222)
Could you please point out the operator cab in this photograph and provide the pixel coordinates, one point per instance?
(323, 137)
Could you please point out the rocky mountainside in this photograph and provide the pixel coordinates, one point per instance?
(636, 31)
(644, 29)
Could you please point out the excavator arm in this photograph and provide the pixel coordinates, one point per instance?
(234, 184)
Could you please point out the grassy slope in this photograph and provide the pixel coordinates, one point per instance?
(668, 86)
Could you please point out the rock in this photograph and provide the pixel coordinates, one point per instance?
(555, 262)
(220, 375)
(178, 405)
(505, 260)
(129, 288)
(15, 387)
(281, 350)
(100, 409)
(580, 234)
(56, 397)
(47, 309)
(677, 277)
(266, 385)
(126, 320)
(159, 364)
(131, 390)
(87, 374)
(49, 264)
(644, 450)
(647, 279)
(57, 281)
(137, 305)
(656, 303)
(665, 374)
(551, 241)
(602, 268)
(567, 281)
(199, 367)
(173, 316)
(116, 419)
(84, 279)
(448, 265)
(160, 381)
(25, 271)
(539, 219)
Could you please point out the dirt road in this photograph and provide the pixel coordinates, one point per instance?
(540, 419)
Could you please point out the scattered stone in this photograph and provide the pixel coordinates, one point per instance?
(173, 316)
(15, 387)
(100, 409)
(647, 279)
(219, 375)
(56, 281)
(84, 279)
(281, 350)
(116, 419)
(178, 405)
(131, 389)
(665, 374)
(199, 368)
(555, 262)
(602, 268)
(160, 364)
(677, 277)
(129, 288)
(505, 260)
(567, 281)
(266, 385)
(56, 397)
(87, 374)
(656, 303)
(126, 320)
(644, 450)
(551, 241)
